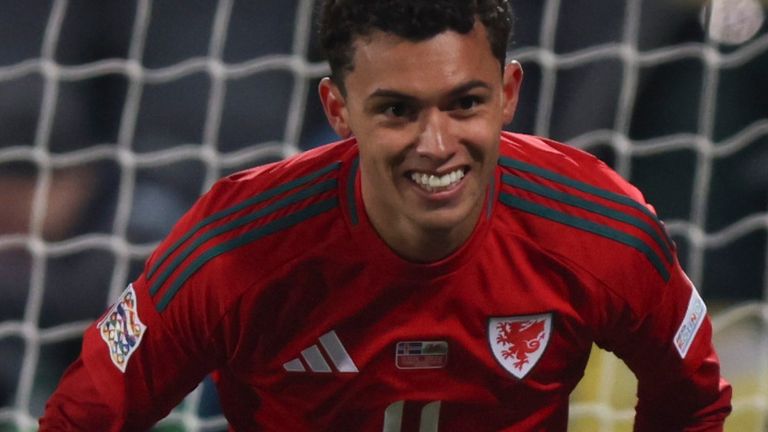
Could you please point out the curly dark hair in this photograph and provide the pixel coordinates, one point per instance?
(342, 21)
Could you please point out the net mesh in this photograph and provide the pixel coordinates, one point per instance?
(713, 157)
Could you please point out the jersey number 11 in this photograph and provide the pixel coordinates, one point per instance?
(430, 416)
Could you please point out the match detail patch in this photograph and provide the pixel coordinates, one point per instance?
(518, 342)
(421, 355)
(694, 316)
(122, 329)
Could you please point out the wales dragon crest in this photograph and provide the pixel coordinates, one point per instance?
(518, 342)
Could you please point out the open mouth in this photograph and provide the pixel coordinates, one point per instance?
(437, 183)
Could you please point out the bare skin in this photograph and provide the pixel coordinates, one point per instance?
(427, 117)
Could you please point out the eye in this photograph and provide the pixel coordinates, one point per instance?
(397, 109)
(467, 103)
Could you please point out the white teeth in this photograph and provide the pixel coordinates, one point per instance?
(430, 182)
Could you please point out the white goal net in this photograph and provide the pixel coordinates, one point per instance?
(115, 116)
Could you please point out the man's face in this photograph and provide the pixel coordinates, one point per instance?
(427, 117)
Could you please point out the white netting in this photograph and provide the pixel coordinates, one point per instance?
(26, 326)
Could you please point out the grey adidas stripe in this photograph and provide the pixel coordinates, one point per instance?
(315, 359)
(335, 350)
(294, 366)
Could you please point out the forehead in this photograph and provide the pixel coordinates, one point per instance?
(383, 60)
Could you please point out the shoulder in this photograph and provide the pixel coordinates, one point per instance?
(267, 193)
(550, 158)
(248, 223)
(574, 207)
(292, 173)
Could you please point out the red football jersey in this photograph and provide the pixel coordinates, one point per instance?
(277, 283)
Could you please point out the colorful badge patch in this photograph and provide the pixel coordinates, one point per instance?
(518, 342)
(694, 316)
(122, 329)
(421, 355)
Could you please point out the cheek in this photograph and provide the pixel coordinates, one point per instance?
(389, 146)
(482, 139)
(381, 155)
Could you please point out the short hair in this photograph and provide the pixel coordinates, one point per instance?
(343, 21)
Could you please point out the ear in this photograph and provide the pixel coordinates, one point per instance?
(335, 107)
(512, 79)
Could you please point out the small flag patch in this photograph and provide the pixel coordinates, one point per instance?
(421, 354)
(122, 329)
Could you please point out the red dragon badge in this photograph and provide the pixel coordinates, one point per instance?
(518, 342)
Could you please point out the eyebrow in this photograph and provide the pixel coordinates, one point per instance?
(461, 89)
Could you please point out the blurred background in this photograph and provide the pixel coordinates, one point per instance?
(116, 115)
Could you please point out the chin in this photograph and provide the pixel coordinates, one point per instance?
(444, 220)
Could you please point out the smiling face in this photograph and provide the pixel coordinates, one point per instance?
(427, 117)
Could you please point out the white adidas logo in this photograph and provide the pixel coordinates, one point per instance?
(315, 360)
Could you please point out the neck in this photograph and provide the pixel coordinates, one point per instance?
(411, 240)
(425, 247)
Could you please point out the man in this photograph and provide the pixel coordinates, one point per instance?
(428, 272)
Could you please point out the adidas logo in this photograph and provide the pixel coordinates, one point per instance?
(314, 359)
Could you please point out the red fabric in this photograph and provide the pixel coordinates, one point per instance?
(248, 311)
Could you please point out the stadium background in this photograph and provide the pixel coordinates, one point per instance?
(116, 115)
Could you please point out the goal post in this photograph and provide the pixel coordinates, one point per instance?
(116, 116)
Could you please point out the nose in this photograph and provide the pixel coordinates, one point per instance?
(435, 139)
